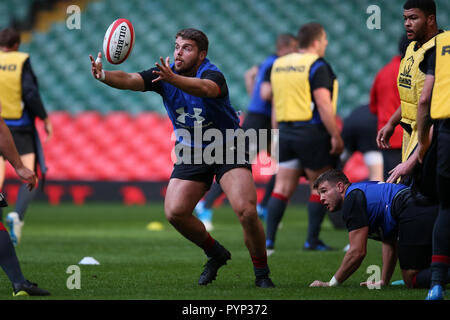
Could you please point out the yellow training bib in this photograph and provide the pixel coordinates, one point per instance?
(11, 66)
(291, 88)
(440, 102)
(411, 80)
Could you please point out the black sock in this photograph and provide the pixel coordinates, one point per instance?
(316, 213)
(275, 211)
(212, 247)
(24, 198)
(439, 274)
(269, 188)
(423, 279)
(212, 195)
(8, 258)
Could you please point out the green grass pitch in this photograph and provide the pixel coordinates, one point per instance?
(136, 263)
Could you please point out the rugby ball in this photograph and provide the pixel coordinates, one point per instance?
(118, 41)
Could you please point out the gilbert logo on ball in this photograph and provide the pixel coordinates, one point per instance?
(118, 41)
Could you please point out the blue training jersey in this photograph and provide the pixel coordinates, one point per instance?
(258, 105)
(189, 112)
(379, 198)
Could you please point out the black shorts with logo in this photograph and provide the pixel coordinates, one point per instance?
(199, 170)
(309, 143)
(415, 216)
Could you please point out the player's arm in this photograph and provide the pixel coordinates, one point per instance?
(116, 79)
(322, 97)
(424, 121)
(265, 90)
(249, 78)
(355, 255)
(352, 259)
(385, 133)
(198, 87)
(389, 255)
(9, 152)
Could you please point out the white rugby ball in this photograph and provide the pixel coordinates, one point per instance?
(118, 41)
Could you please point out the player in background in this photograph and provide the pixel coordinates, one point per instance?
(435, 160)
(8, 259)
(22, 103)
(359, 133)
(305, 100)
(387, 212)
(384, 101)
(413, 86)
(195, 95)
(259, 116)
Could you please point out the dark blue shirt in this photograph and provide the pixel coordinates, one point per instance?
(257, 104)
(189, 112)
(369, 204)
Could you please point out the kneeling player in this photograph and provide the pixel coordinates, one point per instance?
(387, 212)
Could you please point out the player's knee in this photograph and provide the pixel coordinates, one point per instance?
(247, 215)
(174, 214)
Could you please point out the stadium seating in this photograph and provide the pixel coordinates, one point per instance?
(241, 34)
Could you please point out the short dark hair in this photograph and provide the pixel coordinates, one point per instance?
(284, 39)
(196, 35)
(9, 37)
(333, 176)
(308, 33)
(426, 6)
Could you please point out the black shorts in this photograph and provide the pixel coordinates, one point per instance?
(258, 122)
(308, 143)
(416, 217)
(24, 141)
(204, 172)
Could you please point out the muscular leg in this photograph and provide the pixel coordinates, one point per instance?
(179, 203)
(240, 189)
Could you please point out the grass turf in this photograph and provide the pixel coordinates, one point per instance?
(136, 263)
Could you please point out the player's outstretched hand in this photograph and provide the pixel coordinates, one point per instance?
(384, 135)
(28, 176)
(372, 284)
(165, 72)
(318, 283)
(400, 171)
(96, 66)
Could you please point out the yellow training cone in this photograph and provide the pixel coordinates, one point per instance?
(155, 226)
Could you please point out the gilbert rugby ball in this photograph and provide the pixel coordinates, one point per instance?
(118, 41)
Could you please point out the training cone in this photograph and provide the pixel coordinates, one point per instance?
(89, 261)
(155, 226)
